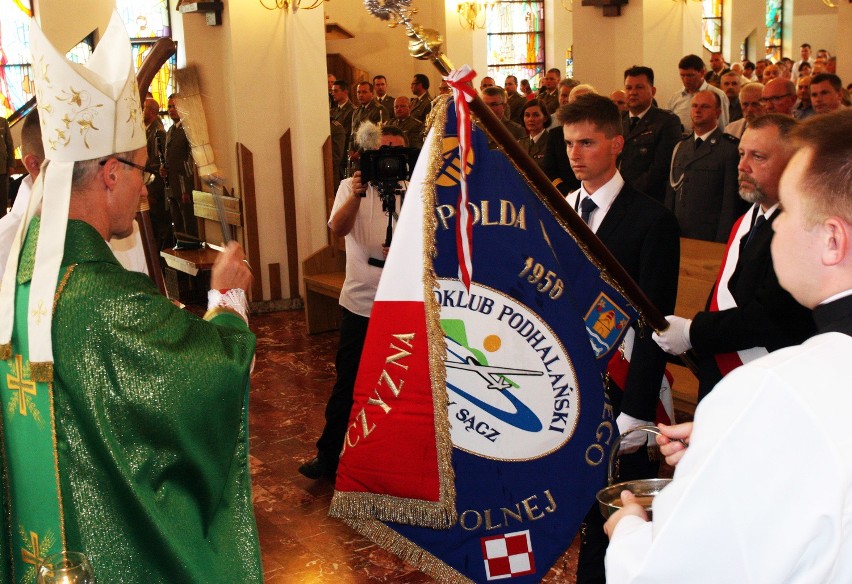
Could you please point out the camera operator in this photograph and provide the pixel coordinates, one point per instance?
(358, 215)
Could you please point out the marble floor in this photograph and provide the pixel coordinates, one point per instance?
(300, 544)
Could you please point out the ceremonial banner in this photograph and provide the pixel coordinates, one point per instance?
(480, 431)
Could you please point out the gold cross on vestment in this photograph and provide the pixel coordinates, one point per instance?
(39, 312)
(33, 557)
(22, 386)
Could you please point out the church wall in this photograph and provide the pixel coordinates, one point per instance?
(309, 126)
(816, 24)
(558, 32)
(605, 46)
(844, 41)
(262, 73)
(378, 49)
(748, 20)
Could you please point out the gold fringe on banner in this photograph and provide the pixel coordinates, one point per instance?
(396, 544)
(437, 344)
(440, 514)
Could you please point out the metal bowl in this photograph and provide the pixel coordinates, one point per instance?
(609, 498)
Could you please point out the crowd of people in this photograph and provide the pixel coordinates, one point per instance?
(683, 152)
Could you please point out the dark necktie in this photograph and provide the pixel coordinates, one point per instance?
(755, 228)
(587, 205)
(698, 143)
(634, 121)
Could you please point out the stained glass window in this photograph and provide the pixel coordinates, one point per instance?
(146, 21)
(774, 24)
(515, 33)
(16, 87)
(711, 24)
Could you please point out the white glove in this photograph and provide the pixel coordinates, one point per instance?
(635, 440)
(675, 339)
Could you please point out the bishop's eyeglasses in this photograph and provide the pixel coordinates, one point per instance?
(147, 177)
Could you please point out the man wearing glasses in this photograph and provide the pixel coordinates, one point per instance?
(495, 98)
(779, 97)
(110, 391)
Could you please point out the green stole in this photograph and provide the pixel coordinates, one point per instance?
(29, 448)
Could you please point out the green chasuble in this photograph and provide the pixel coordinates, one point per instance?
(137, 453)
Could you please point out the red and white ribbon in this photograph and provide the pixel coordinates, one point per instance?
(463, 93)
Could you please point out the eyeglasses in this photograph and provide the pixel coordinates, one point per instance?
(774, 99)
(147, 177)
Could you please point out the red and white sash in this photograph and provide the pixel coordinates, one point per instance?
(722, 298)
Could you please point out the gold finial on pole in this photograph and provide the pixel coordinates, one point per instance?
(424, 43)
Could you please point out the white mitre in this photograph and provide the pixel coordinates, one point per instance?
(87, 112)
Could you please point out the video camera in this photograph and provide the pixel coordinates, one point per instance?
(386, 168)
(388, 164)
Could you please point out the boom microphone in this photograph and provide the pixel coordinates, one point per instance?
(368, 136)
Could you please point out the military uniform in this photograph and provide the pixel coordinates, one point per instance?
(342, 114)
(7, 159)
(372, 112)
(516, 103)
(703, 190)
(412, 128)
(647, 153)
(516, 130)
(180, 183)
(386, 102)
(338, 151)
(421, 106)
(550, 100)
(536, 148)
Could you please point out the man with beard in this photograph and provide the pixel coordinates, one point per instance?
(748, 314)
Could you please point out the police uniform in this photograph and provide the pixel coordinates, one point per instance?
(703, 190)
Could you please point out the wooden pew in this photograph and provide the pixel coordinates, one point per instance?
(323, 275)
(699, 266)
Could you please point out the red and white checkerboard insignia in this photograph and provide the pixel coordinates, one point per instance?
(508, 555)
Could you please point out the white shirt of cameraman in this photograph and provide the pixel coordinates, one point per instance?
(364, 224)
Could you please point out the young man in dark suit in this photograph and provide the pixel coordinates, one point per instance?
(748, 313)
(650, 135)
(643, 237)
